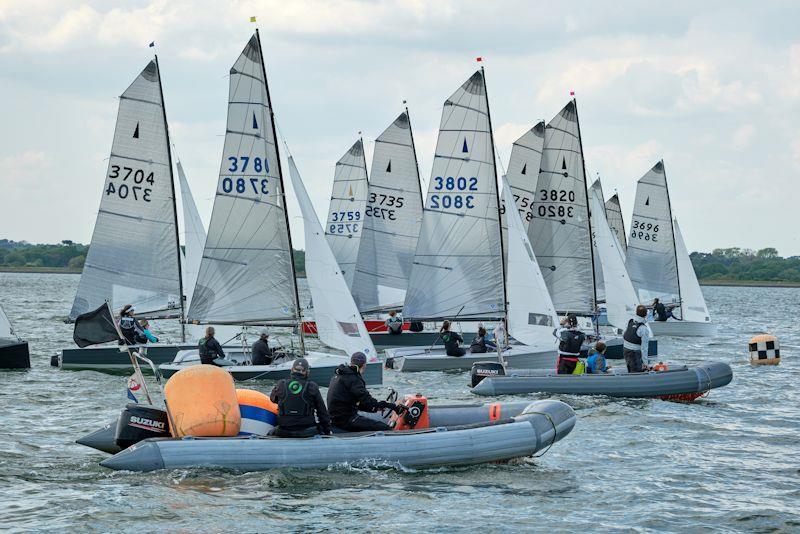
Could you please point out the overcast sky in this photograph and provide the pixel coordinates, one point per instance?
(711, 87)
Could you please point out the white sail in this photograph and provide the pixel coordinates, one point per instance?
(621, 299)
(600, 287)
(531, 314)
(561, 231)
(651, 260)
(133, 256)
(392, 221)
(616, 222)
(693, 304)
(6, 331)
(247, 273)
(338, 320)
(522, 175)
(346, 212)
(194, 237)
(458, 266)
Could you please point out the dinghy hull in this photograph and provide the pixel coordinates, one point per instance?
(543, 424)
(683, 328)
(109, 359)
(678, 381)
(423, 359)
(14, 354)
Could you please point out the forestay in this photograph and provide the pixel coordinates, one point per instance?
(693, 304)
(6, 331)
(600, 287)
(246, 274)
(651, 258)
(392, 220)
(346, 212)
(458, 264)
(522, 174)
(615, 221)
(194, 237)
(338, 320)
(531, 314)
(561, 231)
(621, 299)
(133, 255)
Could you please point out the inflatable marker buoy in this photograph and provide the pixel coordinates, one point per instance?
(765, 350)
(259, 414)
(203, 403)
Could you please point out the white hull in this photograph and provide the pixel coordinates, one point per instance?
(417, 359)
(683, 328)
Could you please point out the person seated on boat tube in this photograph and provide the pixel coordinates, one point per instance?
(210, 350)
(596, 362)
(451, 340)
(570, 340)
(636, 341)
(147, 333)
(394, 323)
(132, 331)
(481, 343)
(347, 395)
(298, 400)
(261, 353)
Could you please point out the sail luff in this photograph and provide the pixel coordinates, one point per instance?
(672, 226)
(600, 289)
(194, 236)
(588, 214)
(616, 221)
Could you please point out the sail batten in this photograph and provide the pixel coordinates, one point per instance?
(460, 242)
(246, 274)
(133, 256)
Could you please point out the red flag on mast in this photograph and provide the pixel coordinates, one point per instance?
(479, 59)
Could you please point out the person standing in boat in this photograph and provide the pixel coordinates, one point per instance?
(394, 323)
(210, 350)
(298, 400)
(132, 331)
(347, 395)
(261, 353)
(636, 341)
(570, 340)
(480, 344)
(452, 340)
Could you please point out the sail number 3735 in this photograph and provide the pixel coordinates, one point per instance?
(130, 183)
(251, 181)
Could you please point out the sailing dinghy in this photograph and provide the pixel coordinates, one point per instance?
(659, 264)
(14, 352)
(247, 272)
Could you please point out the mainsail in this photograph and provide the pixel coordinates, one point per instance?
(458, 265)
(392, 220)
(194, 237)
(615, 221)
(561, 231)
(693, 304)
(338, 320)
(651, 259)
(346, 212)
(133, 257)
(522, 175)
(247, 271)
(600, 287)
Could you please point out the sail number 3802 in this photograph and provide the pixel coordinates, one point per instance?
(452, 198)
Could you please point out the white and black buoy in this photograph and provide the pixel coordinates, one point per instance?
(765, 350)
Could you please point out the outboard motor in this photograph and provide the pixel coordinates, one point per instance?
(138, 422)
(415, 416)
(481, 370)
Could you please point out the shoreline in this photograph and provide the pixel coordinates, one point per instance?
(749, 283)
(40, 270)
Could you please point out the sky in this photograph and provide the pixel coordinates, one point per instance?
(711, 87)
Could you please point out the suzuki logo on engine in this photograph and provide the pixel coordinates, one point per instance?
(147, 424)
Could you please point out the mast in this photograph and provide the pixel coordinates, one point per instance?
(416, 163)
(497, 197)
(672, 226)
(588, 211)
(182, 296)
(298, 312)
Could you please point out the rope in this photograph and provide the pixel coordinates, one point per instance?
(555, 430)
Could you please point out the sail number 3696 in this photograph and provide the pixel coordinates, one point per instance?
(136, 189)
(645, 231)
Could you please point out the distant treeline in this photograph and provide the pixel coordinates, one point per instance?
(722, 265)
(67, 256)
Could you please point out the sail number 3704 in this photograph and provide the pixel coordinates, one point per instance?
(451, 188)
(130, 183)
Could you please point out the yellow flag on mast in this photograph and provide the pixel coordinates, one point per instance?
(252, 19)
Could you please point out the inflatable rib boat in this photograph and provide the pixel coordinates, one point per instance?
(678, 382)
(540, 425)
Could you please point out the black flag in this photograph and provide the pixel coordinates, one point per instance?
(94, 327)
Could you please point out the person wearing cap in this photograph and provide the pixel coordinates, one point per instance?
(570, 340)
(132, 331)
(301, 410)
(261, 354)
(347, 395)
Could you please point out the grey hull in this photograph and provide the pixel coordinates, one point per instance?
(676, 381)
(423, 359)
(373, 375)
(544, 423)
(683, 329)
(109, 359)
(383, 340)
(446, 416)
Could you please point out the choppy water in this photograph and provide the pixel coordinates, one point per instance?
(727, 462)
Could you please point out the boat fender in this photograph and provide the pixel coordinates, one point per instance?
(259, 414)
(416, 415)
(138, 422)
(765, 350)
(481, 370)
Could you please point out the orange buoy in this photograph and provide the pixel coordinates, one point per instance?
(765, 350)
(202, 400)
(660, 366)
(259, 414)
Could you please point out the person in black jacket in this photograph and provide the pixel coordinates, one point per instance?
(451, 340)
(210, 350)
(261, 353)
(131, 330)
(570, 340)
(298, 399)
(479, 344)
(347, 394)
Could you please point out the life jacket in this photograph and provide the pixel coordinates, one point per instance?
(394, 323)
(632, 336)
(478, 345)
(295, 409)
(206, 353)
(127, 326)
(571, 346)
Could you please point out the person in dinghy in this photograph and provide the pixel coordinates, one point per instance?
(452, 340)
(210, 350)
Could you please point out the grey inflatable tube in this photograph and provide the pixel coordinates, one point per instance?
(539, 426)
(678, 380)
